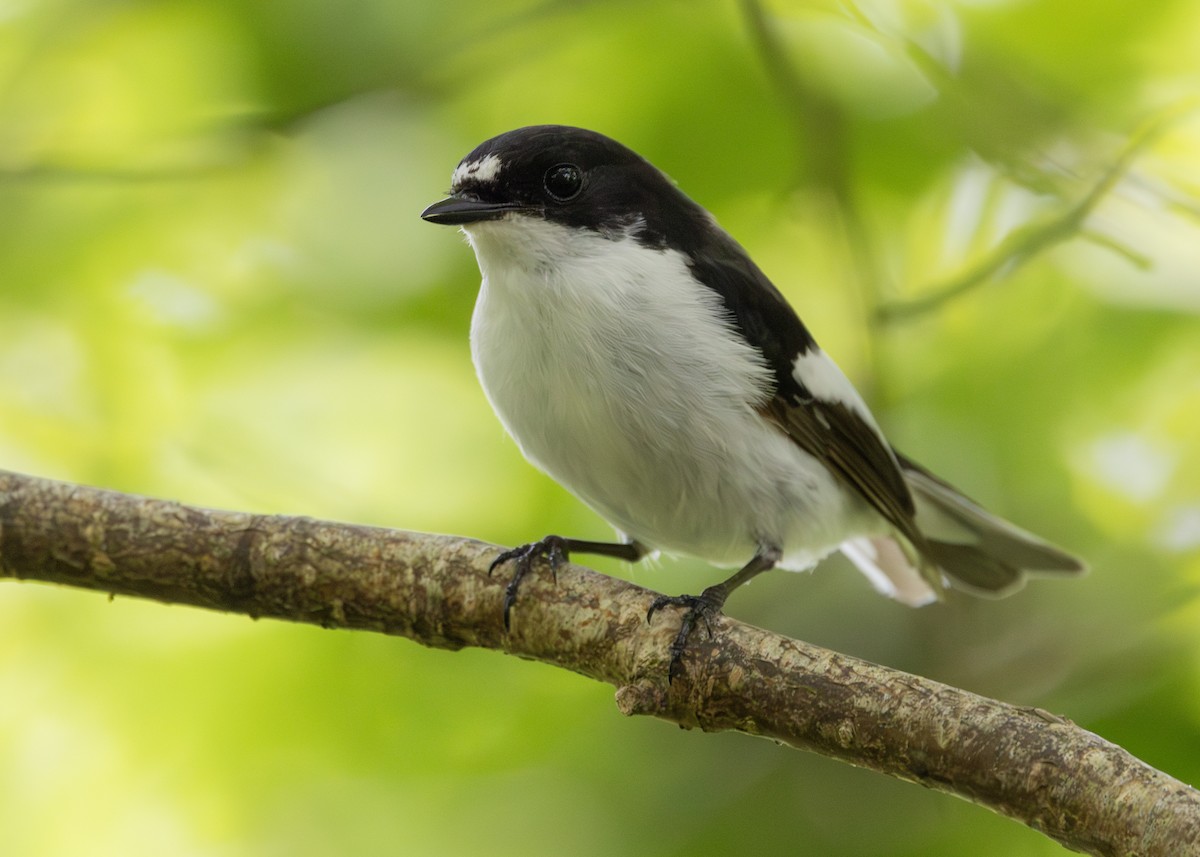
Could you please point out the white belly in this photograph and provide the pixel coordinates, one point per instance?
(621, 380)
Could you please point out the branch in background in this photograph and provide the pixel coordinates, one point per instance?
(1139, 260)
(820, 122)
(822, 138)
(821, 128)
(1041, 234)
(1025, 763)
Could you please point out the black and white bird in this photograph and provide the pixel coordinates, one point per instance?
(639, 357)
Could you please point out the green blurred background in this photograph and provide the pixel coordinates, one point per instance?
(214, 287)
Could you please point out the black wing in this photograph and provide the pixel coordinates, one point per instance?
(835, 432)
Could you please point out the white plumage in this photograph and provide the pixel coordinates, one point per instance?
(622, 380)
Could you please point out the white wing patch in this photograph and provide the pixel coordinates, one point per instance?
(484, 170)
(825, 380)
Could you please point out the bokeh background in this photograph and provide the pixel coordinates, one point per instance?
(214, 287)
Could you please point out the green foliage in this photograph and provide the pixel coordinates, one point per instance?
(214, 286)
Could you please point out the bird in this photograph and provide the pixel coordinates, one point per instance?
(639, 357)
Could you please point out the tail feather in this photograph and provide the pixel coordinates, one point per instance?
(960, 544)
(892, 569)
(973, 569)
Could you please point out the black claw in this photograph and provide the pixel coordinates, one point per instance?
(553, 548)
(510, 591)
(699, 608)
(503, 558)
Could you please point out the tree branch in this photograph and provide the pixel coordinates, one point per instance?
(1023, 762)
(1042, 233)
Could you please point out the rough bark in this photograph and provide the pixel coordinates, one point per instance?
(1026, 763)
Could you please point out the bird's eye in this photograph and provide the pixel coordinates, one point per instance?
(563, 182)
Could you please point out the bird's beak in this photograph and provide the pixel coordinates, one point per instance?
(458, 210)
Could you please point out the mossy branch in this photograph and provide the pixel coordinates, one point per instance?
(1025, 763)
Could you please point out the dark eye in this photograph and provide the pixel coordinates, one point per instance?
(563, 182)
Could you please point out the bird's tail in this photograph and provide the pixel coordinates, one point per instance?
(962, 545)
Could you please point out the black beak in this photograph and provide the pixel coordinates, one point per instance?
(463, 209)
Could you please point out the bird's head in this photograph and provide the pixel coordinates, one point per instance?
(570, 178)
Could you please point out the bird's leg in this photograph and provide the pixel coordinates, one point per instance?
(557, 550)
(707, 604)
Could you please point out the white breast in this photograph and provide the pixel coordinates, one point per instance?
(622, 380)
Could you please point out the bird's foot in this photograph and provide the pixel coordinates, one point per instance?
(553, 548)
(702, 609)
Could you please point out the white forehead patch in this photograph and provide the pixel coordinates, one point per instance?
(484, 170)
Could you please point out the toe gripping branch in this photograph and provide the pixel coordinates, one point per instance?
(705, 607)
(698, 609)
(553, 548)
(702, 608)
(557, 550)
